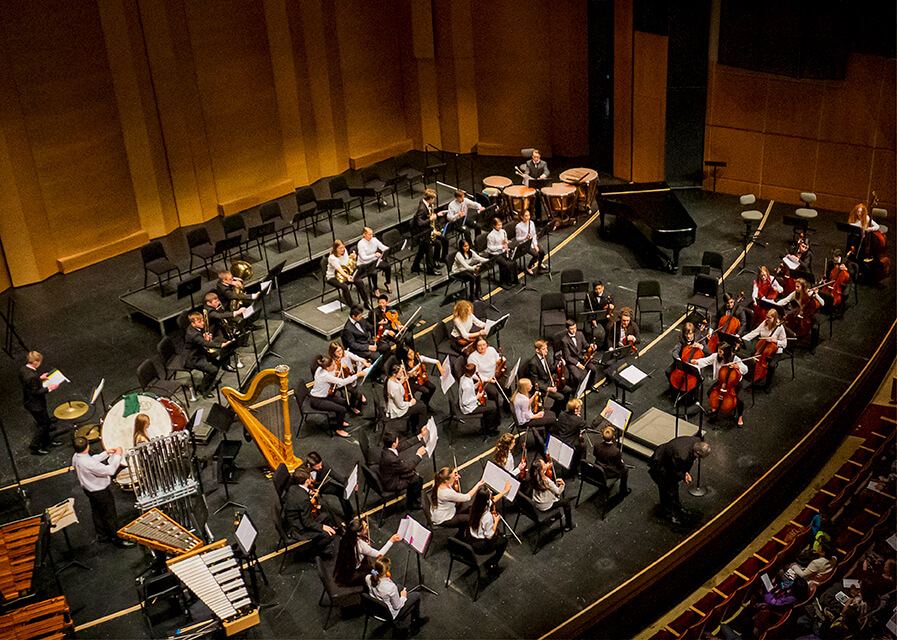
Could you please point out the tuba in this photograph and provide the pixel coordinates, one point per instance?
(241, 271)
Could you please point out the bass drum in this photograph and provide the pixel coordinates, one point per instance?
(165, 414)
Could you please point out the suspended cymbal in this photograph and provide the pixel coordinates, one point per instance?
(71, 410)
(89, 431)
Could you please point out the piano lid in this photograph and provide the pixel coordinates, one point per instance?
(656, 211)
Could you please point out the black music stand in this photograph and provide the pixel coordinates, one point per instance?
(546, 233)
(194, 459)
(188, 287)
(714, 165)
(622, 383)
(246, 534)
(607, 357)
(257, 234)
(67, 555)
(690, 370)
(497, 327)
(220, 419)
(695, 488)
(522, 249)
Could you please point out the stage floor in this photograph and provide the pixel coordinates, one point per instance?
(531, 594)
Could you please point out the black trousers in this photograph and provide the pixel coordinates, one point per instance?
(338, 489)
(433, 251)
(409, 614)
(209, 373)
(102, 510)
(495, 546)
(412, 492)
(345, 289)
(669, 494)
(575, 375)
(426, 389)
(566, 505)
(334, 404)
(41, 438)
(473, 280)
(537, 254)
(416, 416)
(507, 268)
(370, 271)
(491, 415)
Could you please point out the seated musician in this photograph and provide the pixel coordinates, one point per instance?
(339, 278)
(525, 231)
(415, 363)
(400, 401)
(459, 207)
(302, 519)
(467, 267)
(404, 607)
(486, 360)
(357, 336)
(689, 336)
(773, 330)
(802, 320)
(625, 331)
(731, 308)
(347, 363)
(724, 357)
(463, 322)
(837, 278)
(370, 251)
(222, 321)
(428, 240)
(448, 506)
(197, 342)
(503, 456)
(334, 485)
(397, 470)
(535, 168)
(540, 372)
(765, 287)
(547, 492)
(574, 351)
(230, 289)
(498, 249)
(472, 400)
(859, 217)
(385, 327)
(599, 300)
(323, 396)
(481, 532)
(569, 431)
(610, 458)
(355, 556)
(803, 254)
(522, 405)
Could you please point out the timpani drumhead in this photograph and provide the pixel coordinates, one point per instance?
(519, 191)
(559, 190)
(497, 182)
(165, 415)
(579, 175)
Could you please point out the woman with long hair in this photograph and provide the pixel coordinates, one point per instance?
(482, 529)
(547, 492)
(348, 363)
(355, 557)
(463, 323)
(141, 424)
(503, 456)
(447, 503)
(323, 395)
(404, 606)
(466, 267)
(522, 404)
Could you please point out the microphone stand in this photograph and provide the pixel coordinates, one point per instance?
(695, 488)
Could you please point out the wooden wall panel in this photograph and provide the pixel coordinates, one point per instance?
(623, 37)
(794, 108)
(789, 162)
(885, 132)
(738, 99)
(649, 92)
(850, 106)
(5, 279)
(743, 152)
(884, 176)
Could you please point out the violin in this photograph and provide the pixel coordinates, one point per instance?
(313, 497)
(724, 394)
(536, 400)
(838, 278)
(501, 366)
(591, 350)
(727, 324)
(481, 390)
(407, 387)
(680, 380)
(421, 370)
(561, 374)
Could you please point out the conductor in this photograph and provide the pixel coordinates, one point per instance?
(670, 465)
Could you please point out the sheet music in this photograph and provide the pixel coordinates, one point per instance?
(492, 323)
(447, 378)
(848, 583)
(97, 391)
(55, 378)
(352, 482)
(197, 418)
(330, 307)
(432, 436)
(62, 515)
(495, 478)
(372, 368)
(633, 375)
(560, 452)
(513, 373)
(246, 534)
(250, 310)
(584, 384)
(617, 415)
(414, 533)
(893, 541)
(266, 285)
(767, 583)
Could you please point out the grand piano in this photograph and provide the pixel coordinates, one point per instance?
(649, 218)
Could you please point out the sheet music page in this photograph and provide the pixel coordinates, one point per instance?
(97, 391)
(55, 378)
(513, 373)
(352, 482)
(492, 323)
(584, 384)
(495, 478)
(447, 378)
(197, 419)
(560, 452)
(414, 533)
(432, 437)
(633, 375)
(250, 310)
(617, 415)
(246, 534)
(62, 515)
(266, 285)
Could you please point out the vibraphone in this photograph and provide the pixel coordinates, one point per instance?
(157, 531)
(213, 574)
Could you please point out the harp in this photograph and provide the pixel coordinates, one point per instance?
(265, 412)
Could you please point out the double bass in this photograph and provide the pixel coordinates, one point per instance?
(875, 248)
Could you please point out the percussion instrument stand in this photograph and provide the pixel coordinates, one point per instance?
(15, 469)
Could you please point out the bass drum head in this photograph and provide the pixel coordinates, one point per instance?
(165, 415)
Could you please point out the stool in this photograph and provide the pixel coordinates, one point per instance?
(805, 214)
(880, 213)
(750, 218)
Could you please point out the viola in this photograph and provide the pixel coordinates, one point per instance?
(727, 324)
(724, 394)
(419, 370)
(561, 374)
(838, 279)
(766, 349)
(685, 381)
(313, 497)
(537, 398)
(481, 389)
(591, 350)
(407, 387)
(501, 366)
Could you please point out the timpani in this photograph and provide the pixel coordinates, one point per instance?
(560, 198)
(586, 183)
(519, 199)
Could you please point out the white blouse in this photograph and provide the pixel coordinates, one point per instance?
(485, 363)
(462, 328)
(763, 331)
(522, 409)
(396, 405)
(324, 379)
(523, 229)
(495, 241)
(467, 395)
(367, 250)
(447, 500)
(334, 262)
(486, 528)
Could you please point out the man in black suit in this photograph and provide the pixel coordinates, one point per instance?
(227, 290)
(299, 519)
(357, 336)
(34, 397)
(197, 340)
(670, 465)
(599, 300)
(569, 431)
(540, 371)
(398, 473)
(422, 229)
(335, 485)
(574, 347)
(535, 168)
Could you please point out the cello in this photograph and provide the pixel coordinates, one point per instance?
(838, 278)
(727, 324)
(690, 352)
(724, 394)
